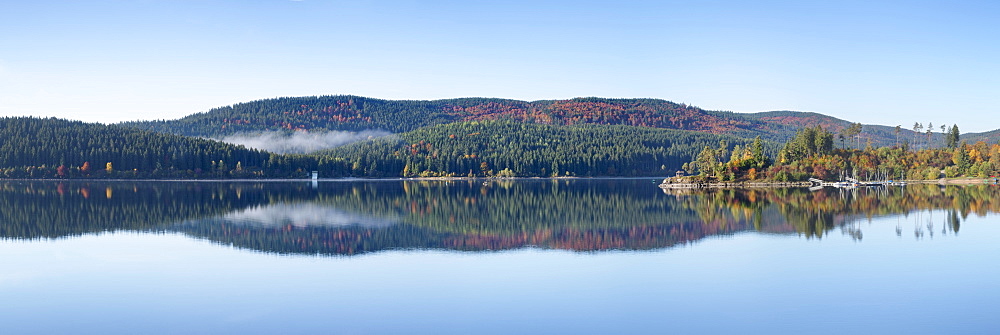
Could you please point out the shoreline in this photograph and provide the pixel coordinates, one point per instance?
(941, 181)
(346, 179)
(735, 185)
(965, 181)
(679, 185)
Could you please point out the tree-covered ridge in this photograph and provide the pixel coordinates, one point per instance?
(54, 148)
(508, 149)
(358, 113)
(992, 136)
(33, 147)
(306, 113)
(354, 113)
(801, 119)
(917, 135)
(653, 113)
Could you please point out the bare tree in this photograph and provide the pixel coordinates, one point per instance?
(930, 128)
(899, 128)
(944, 134)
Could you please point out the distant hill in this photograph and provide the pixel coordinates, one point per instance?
(800, 119)
(359, 113)
(477, 136)
(877, 134)
(354, 113)
(992, 136)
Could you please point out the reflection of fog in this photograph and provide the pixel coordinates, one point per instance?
(303, 215)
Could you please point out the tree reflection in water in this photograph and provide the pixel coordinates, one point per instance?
(348, 218)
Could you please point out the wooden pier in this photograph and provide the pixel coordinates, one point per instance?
(690, 183)
(671, 184)
(851, 182)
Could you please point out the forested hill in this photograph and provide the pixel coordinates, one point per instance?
(992, 136)
(454, 137)
(55, 148)
(879, 135)
(354, 113)
(358, 113)
(509, 148)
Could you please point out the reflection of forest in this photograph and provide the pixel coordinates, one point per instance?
(50, 209)
(346, 218)
(814, 213)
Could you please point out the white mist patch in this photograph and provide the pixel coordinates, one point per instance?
(301, 142)
(303, 215)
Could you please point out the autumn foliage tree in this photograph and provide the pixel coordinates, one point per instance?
(811, 154)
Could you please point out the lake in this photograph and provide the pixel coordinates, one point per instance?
(495, 257)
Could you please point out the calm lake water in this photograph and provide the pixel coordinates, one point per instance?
(467, 257)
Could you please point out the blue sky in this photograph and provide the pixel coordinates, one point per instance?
(877, 62)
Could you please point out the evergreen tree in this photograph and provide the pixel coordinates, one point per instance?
(952, 137)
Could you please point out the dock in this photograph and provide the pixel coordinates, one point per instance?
(849, 182)
(813, 183)
(696, 185)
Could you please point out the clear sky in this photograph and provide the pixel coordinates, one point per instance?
(875, 62)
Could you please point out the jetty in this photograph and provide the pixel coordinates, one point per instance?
(683, 182)
(735, 185)
(849, 182)
(687, 182)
